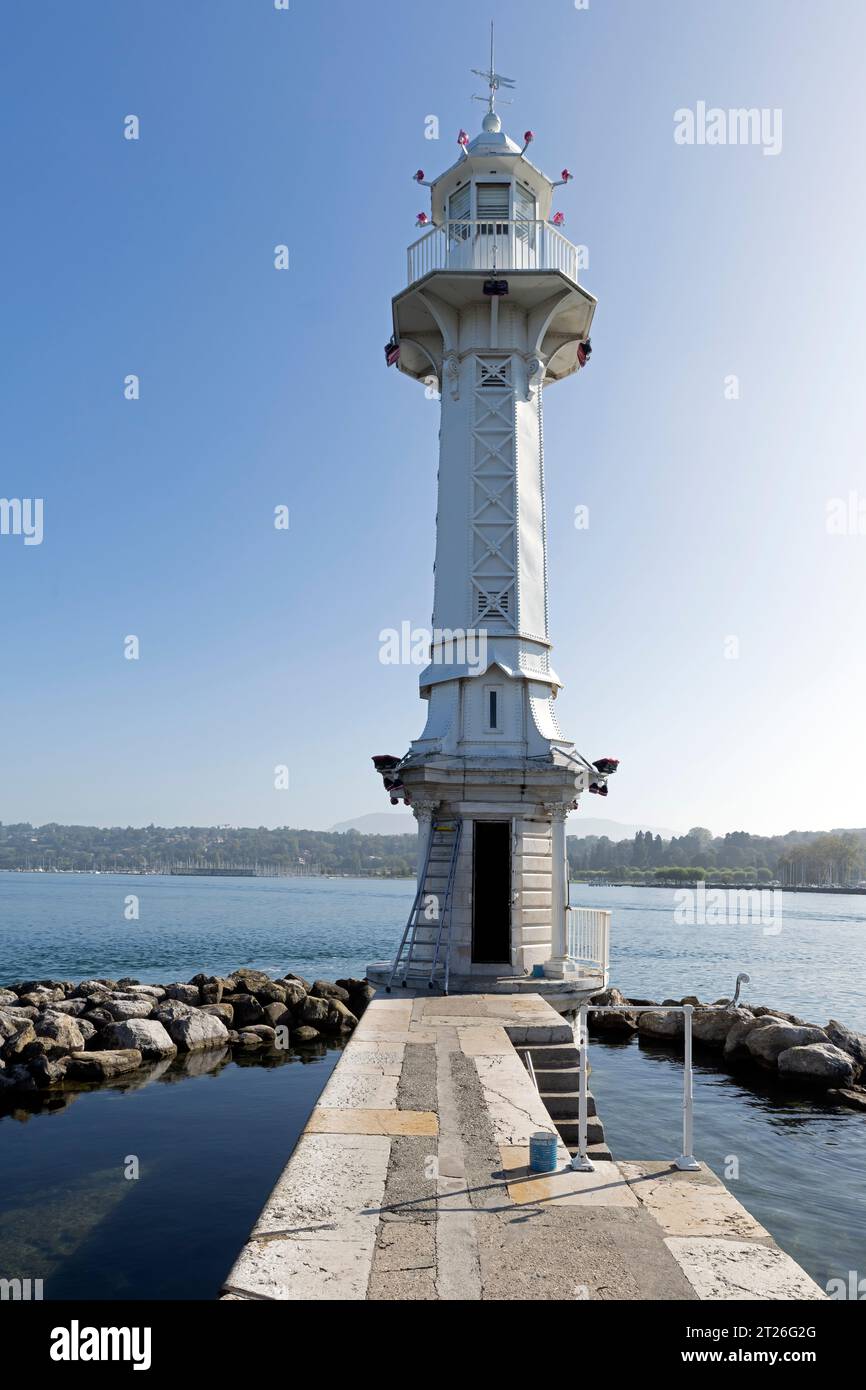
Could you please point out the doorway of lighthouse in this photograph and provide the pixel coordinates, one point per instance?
(491, 893)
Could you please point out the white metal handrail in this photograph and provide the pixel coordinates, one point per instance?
(686, 1161)
(493, 246)
(587, 938)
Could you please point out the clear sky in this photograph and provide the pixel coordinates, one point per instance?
(260, 387)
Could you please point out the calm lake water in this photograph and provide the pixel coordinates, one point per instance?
(210, 1146)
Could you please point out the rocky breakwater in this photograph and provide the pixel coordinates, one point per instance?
(831, 1058)
(55, 1033)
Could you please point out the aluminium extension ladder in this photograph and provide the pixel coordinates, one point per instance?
(424, 953)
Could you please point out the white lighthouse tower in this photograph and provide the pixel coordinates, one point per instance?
(495, 312)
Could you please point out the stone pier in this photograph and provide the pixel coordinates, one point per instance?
(411, 1181)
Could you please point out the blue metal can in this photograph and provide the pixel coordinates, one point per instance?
(542, 1152)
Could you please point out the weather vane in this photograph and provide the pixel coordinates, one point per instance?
(494, 79)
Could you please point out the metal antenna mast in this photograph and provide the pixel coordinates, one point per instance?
(494, 79)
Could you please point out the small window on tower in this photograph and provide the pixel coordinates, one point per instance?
(492, 709)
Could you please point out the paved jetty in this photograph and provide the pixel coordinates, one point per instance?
(411, 1181)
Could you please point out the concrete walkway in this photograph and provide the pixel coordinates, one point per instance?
(411, 1181)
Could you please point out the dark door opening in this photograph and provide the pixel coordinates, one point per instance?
(491, 893)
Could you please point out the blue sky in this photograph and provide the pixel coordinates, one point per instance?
(258, 388)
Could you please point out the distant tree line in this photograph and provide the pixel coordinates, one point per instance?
(799, 858)
(156, 848)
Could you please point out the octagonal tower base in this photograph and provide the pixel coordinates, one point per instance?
(506, 919)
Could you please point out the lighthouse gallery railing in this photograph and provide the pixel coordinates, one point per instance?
(587, 935)
(492, 246)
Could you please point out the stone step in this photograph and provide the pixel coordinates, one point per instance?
(564, 1104)
(557, 1079)
(600, 1151)
(569, 1130)
(552, 1055)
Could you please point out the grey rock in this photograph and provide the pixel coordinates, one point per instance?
(73, 1007)
(188, 994)
(661, 1024)
(47, 1071)
(849, 1041)
(339, 1019)
(62, 1030)
(249, 981)
(304, 1034)
(819, 1064)
(7, 997)
(211, 991)
(86, 1029)
(221, 1011)
(246, 1038)
(263, 1031)
(276, 1013)
(617, 1024)
(146, 991)
(191, 1029)
(323, 989)
(852, 1096)
(766, 1044)
(736, 1049)
(313, 1011)
(289, 978)
(102, 1066)
(121, 1009)
(99, 1016)
(146, 1035)
(247, 1010)
(711, 1026)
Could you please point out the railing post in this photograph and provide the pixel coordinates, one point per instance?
(581, 1162)
(687, 1161)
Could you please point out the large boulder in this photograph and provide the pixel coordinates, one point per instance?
(146, 991)
(86, 1029)
(14, 1043)
(289, 978)
(188, 994)
(304, 1034)
(7, 997)
(819, 1064)
(249, 981)
(620, 1023)
(247, 1010)
(48, 1071)
(849, 1041)
(73, 1007)
(102, 1066)
(339, 1019)
(323, 989)
(88, 988)
(275, 1014)
(221, 1011)
(736, 1049)
(711, 1026)
(295, 993)
(661, 1023)
(62, 1031)
(211, 990)
(313, 1011)
(121, 1009)
(147, 1035)
(191, 1029)
(765, 1045)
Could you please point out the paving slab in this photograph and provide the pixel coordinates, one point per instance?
(329, 1189)
(324, 1121)
(606, 1187)
(691, 1204)
(729, 1269)
(359, 1088)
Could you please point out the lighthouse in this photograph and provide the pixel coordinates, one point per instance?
(494, 313)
